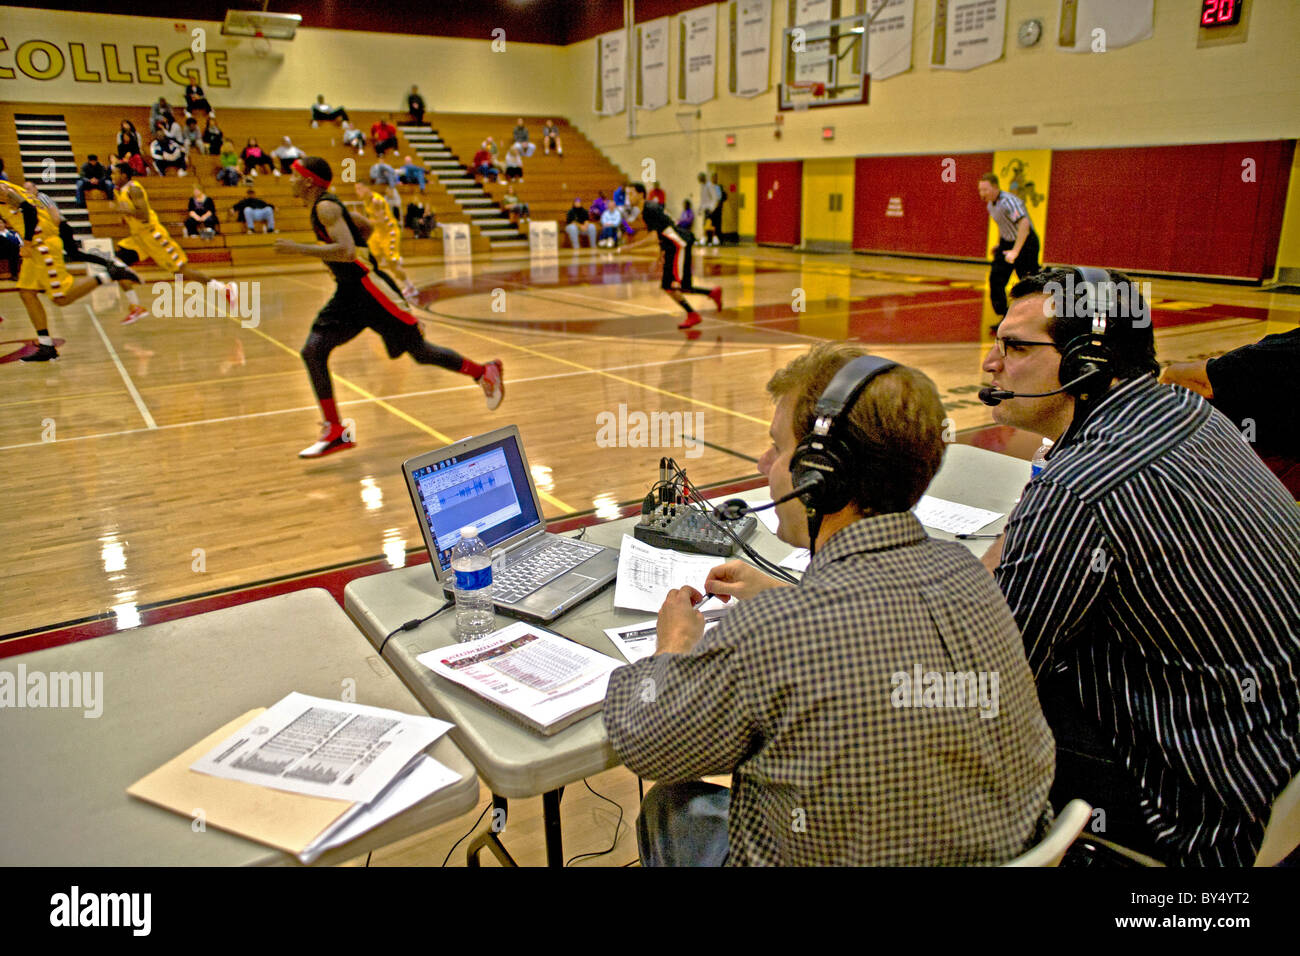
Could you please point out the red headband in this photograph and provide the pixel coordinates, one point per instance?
(308, 175)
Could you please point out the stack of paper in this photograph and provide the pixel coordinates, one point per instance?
(951, 516)
(646, 574)
(635, 641)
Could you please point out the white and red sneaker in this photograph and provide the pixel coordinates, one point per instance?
(494, 386)
(232, 295)
(333, 437)
(692, 318)
(137, 313)
(716, 295)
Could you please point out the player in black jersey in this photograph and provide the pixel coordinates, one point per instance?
(674, 255)
(362, 300)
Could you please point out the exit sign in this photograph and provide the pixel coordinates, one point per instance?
(828, 132)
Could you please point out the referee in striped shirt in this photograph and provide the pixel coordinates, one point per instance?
(1153, 568)
(1017, 246)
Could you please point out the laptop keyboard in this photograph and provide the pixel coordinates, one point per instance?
(521, 578)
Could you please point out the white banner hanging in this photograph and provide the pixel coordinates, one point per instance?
(753, 42)
(976, 33)
(700, 54)
(654, 64)
(889, 45)
(611, 74)
(1101, 25)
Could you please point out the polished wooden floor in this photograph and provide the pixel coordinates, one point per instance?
(158, 460)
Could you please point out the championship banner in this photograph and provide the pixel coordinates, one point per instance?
(699, 55)
(752, 39)
(455, 240)
(811, 57)
(1100, 25)
(889, 47)
(611, 69)
(811, 11)
(653, 88)
(543, 238)
(969, 33)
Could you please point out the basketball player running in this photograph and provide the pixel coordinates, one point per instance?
(43, 266)
(360, 301)
(674, 255)
(148, 238)
(386, 238)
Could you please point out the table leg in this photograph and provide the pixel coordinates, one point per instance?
(489, 838)
(551, 820)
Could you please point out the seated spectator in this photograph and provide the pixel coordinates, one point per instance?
(161, 113)
(804, 693)
(1255, 386)
(411, 173)
(657, 195)
(212, 135)
(383, 137)
(491, 146)
(94, 175)
(576, 221)
(381, 174)
(514, 208)
(194, 99)
(128, 140)
(419, 221)
(353, 138)
(514, 163)
(254, 158)
(521, 138)
(167, 154)
(551, 138)
(598, 205)
(687, 219)
(201, 217)
(228, 173)
(191, 140)
(415, 105)
(1153, 566)
(484, 165)
(253, 210)
(631, 211)
(322, 112)
(286, 153)
(610, 221)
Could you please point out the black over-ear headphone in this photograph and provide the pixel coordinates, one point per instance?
(822, 463)
(1087, 357)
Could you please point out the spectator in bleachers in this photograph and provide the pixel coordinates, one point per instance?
(4, 177)
(686, 221)
(484, 165)
(255, 158)
(551, 138)
(657, 195)
(514, 164)
(383, 137)
(630, 211)
(128, 140)
(610, 221)
(161, 112)
(576, 221)
(415, 105)
(212, 136)
(286, 153)
(94, 175)
(167, 154)
(174, 130)
(192, 140)
(381, 174)
(515, 209)
(353, 138)
(521, 138)
(194, 99)
(411, 173)
(491, 146)
(252, 209)
(322, 112)
(201, 215)
(228, 173)
(598, 205)
(419, 221)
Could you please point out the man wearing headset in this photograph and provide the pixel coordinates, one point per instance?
(805, 694)
(1153, 568)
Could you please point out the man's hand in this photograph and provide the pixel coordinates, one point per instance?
(1011, 255)
(1190, 375)
(287, 247)
(738, 579)
(680, 626)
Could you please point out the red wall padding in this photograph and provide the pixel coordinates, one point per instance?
(1178, 209)
(940, 218)
(780, 203)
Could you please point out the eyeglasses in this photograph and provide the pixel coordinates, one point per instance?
(1015, 345)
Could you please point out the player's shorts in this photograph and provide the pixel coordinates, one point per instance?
(677, 258)
(45, 271)
(374, 302)
(156, 245)
(385, 244)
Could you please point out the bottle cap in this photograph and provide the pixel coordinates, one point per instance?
(469, 531)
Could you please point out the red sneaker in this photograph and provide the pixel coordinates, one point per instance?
(137, 313)
(333, 437)
(692, 318)
(494, 386)
(716, 295)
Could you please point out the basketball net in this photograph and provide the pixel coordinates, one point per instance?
(261, 45)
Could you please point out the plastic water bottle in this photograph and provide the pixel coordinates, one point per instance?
(1039, 461)
(472, 566)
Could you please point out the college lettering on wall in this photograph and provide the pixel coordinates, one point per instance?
(39, 59)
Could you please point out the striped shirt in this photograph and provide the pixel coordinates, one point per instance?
(1155, 562)
(798, 694)
(1007, 210)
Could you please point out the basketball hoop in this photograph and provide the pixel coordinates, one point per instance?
(261, 45)
(801, 94)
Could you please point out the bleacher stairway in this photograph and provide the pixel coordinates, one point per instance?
(47, 159)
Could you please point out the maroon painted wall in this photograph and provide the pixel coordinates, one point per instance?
(1178, 209)
(780, 203)
(940, 217)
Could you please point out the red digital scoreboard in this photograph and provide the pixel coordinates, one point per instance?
(1221, 13)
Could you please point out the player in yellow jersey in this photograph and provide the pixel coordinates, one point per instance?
(43, 267)
(148, 237)
(385, 242)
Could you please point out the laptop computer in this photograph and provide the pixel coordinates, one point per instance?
(485, 481)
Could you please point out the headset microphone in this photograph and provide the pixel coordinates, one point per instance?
(996, 396)
(809, 483)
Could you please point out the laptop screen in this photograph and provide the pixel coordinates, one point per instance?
(487, 488)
